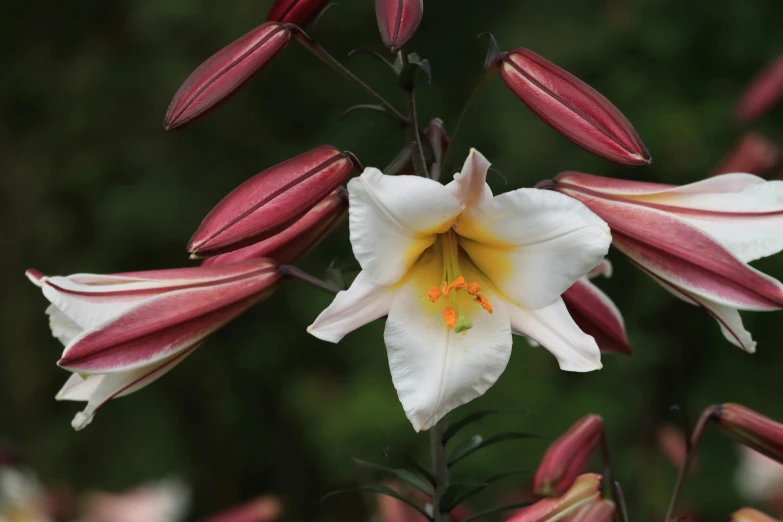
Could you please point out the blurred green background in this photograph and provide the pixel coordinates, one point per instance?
(91, 183)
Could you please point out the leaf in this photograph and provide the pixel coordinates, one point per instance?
(383, 490)
(404, 475)
(496, 509)
(493, 53)
(376, 55)
(455, 491)
(477, 488)
(477, 442)
(471, 418)
(334, 275)
(409, 462)
(362, 106)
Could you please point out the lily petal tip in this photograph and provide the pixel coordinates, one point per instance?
(34, 276)
(80, 420)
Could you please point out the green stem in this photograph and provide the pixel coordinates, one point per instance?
(440, 469)
(419, 163)
(609, 477)
(331, 61)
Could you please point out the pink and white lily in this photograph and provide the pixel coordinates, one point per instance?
(695, 240)
(457, 271)
(123, 331)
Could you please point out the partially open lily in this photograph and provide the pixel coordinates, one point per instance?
(457, 271)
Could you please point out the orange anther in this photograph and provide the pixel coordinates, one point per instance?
(446, 289)
(481, 300)
(459, 283)
(450, 316)
(434, 294)
(474, 288)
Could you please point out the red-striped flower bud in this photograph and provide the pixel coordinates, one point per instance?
(763, 92)
(271, 201)
(601, 511)
(750, 515)
(573, 108)
(753, 153)
(567, 456)
(297, 12)
(224, 73)
(398, 20)
(751, 429)
(585, 491)
(298, 239)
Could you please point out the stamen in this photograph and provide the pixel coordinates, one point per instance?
(481, 300)
(459, 284)
(450, 316)
(474, 288)
(434, 294)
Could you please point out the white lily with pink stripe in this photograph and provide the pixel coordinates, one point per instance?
(458, 270)
(695, 240)
(123, 331)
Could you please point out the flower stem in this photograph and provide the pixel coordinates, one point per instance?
(412, 128)
(690, 452)
(440, 469)
(332, 62)
(292, 272)
(617, 495)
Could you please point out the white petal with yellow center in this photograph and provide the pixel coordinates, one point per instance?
(393, 219)
(533, 244)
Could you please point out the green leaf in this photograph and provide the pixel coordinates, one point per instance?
(455, 491)
(456, 500)
(383, 490)
(404, 475)
(470, 419)
(496, 509)
(477, 442)
(409, 462)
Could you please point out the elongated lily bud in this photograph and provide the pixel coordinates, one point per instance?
(573, 108)
(695, 240)
(297, 12)
(298, 239)
(596, 314)
(566, 457)
(124, 331)
(751, 429)
(224, 73)
(764, 91)
(585, 491)
(262, 509)
(398, 20)
(601, 511)
(271, 201)
(750, 515)
(753, 153)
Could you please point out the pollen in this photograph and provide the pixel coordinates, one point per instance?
(434, 294)
(450, 316)
(484, 303)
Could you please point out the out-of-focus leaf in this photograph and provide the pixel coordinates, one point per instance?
(457, 499)
(409, 462)
(477, 442)
(409, 477)
(470, 419)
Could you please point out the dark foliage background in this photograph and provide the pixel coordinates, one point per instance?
(91, 183)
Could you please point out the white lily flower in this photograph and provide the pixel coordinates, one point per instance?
(458, 271)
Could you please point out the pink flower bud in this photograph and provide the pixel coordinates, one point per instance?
(262, 509)
(298, 239)
(673, 445)
(297, 12)
(601, 511)
(271, 201)
(751, 429)
(224, 73)
(398, 20)
(573, 108)
(585, 491)
(596, 314)
(567, 456)
(764, 91)
(123, 331)
(753, 153)
(750, 515)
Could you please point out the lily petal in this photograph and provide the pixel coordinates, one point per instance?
(116, 385)
(597, 316)
(78, 388)
(470, 185)
(553, 328)
(533, 244)
(62, 326)
(362, 303)
(393, 219)
(433, 368)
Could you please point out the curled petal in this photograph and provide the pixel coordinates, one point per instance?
(573, 108)
(270, 202)
(224, 73)
(470, 185)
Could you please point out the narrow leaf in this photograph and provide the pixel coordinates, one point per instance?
(404, 475)
(349, 110)
(496, 509)
(477, 443)
(481, 486)
(409, 462)
(383, 490)
(471, 418)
